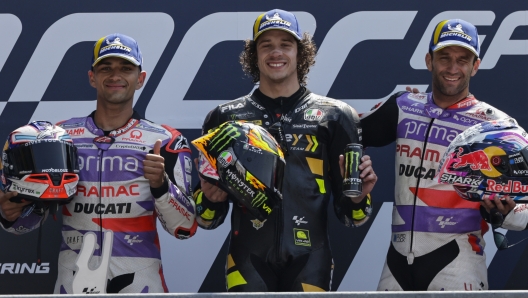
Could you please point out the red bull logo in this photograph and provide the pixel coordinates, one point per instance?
(477, 160)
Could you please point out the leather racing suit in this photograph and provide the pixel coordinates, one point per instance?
(113, 194)
(437, 237)
(289, 251)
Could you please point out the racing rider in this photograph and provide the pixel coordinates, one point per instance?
(437, 237)
(289, 251)
(131, 171)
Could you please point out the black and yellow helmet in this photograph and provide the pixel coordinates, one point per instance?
(244, 160)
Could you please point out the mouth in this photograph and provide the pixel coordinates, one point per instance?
(276, 64)
(115, 86)
(451, 78)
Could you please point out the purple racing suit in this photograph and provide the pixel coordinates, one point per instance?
(437, 237)
(113, 195)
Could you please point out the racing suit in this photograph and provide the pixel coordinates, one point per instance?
(437, 237)
(113, 195)
(289, 251)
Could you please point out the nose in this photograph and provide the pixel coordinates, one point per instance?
(276, 51)
(452, 66)
(115, 74)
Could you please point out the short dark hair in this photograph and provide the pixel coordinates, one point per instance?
(306, 51)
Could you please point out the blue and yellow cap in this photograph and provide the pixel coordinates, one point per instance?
(277, 19)
(117, 45)
(455, 32)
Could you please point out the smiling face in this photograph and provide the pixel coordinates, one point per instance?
(451, 67)
(277, 58)
(116, 80)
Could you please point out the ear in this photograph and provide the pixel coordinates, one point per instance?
(475, 67)
(141, 80)
(91, 78)
(429, 61)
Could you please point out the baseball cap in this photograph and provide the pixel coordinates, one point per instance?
(277, 19)
(117, 45)
(455, 32)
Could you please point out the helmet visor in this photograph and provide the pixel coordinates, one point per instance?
(266, 166)
(41, 157)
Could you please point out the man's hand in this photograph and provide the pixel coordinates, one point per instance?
(212, 192)
(10, 210)
(154, 166)
(494, 201)
(367, 175)
(413, 90)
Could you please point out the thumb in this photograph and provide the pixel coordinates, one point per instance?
(157, 147)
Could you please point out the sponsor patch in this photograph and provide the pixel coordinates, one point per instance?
(313, 115)
(302, 237)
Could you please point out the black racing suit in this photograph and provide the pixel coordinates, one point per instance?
(289, 251)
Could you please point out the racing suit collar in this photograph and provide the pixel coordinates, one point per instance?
(92, 127)
(281, 104)
(435, 111)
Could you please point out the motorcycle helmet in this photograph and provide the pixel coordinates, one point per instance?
(39, 161)
(245, 161)
(488, 158)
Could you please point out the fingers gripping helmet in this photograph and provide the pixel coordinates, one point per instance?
(39, 161)
(488, 158)
(244, 160)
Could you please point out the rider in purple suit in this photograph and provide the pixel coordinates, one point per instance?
(132, 171)
(437, 237)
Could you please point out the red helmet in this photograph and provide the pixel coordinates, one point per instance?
(39, 161)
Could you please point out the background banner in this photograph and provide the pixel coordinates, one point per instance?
(367, 51)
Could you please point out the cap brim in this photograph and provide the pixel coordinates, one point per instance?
(275, 28)
(126, 57)
(442, 45)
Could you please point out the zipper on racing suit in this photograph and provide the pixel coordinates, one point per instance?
(100, 174)
(410, 256)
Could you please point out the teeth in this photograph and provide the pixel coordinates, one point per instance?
(451, 79)
(276, 64)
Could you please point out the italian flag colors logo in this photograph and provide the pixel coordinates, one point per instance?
(313, 115)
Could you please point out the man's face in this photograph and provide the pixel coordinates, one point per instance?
(116, 80)
(277, 57)
(452, 67)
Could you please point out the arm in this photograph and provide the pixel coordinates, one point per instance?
(350, 211)
(10, 215)
(212, 204)
(380, 123)
(515, 215)
(168, 170)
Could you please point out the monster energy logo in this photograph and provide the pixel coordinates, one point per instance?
(258, 200)
(222, 139)
(350, 157)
